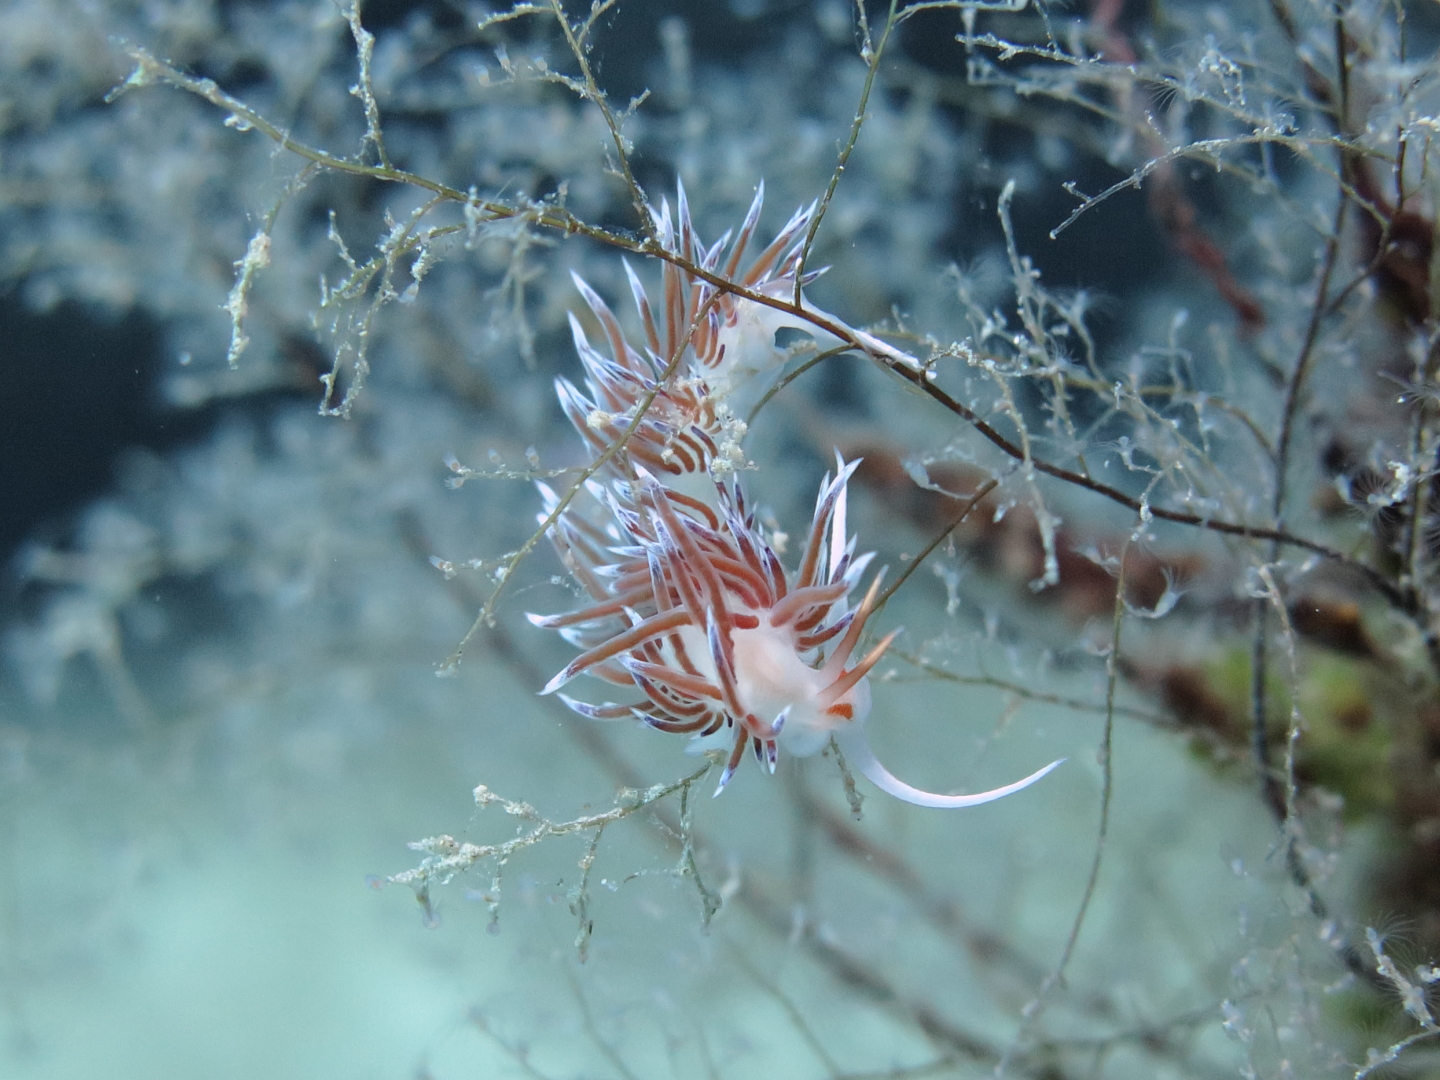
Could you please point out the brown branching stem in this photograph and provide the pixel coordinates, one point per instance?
(1277, 792)
(556, 218)
(1294, 386)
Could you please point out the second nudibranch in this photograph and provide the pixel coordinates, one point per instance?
(705, 358)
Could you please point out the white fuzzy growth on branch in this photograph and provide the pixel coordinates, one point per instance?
(445, 857)
(257, 257)
(1412, 999)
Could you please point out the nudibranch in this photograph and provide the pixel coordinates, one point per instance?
(718, 350)
(692, 610)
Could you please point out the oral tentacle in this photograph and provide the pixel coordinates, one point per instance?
(856, 748)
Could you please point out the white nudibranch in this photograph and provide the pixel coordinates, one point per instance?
(690, 608)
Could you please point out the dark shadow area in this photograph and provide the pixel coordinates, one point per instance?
(76, 390)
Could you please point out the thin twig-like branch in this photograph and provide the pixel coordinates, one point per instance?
(1301, 369)
(870, 52)
(517, 1054)
(955, 522)
(1260, 739)
(1033, 1011)
(788, 1006)
(592, 1029)
(956, 1045)
(446, 856)
(785, 380)
(597, 97)
(1029, 693)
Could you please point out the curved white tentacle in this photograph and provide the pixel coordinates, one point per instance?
(856, 748)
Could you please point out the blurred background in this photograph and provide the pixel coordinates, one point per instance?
(222, 616)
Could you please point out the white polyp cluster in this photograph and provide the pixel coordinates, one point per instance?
(690, 607)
